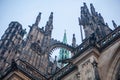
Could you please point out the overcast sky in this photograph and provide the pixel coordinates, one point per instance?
(66, 13)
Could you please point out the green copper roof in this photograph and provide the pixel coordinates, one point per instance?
(63, 53)
(65, 38)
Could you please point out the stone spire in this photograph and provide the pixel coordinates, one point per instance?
(74, 41)
(65, 38)
(63, 53)
(51, 18)
(38, 19)
(49, 24)
(48, 32)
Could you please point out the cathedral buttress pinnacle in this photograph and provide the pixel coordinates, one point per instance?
(49, 24)
(38, 19)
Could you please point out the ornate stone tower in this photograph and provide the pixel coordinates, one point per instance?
(33, 50)
(93, 23)
(37, 43)
(9, 44)
(96, 58)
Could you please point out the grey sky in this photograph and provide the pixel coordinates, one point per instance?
(66, 13)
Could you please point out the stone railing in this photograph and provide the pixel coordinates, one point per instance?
(62, 72)
(26, 68)
(101, 44)
(83, 45)
(114, 35)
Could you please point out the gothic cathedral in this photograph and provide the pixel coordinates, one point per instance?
(96, 58)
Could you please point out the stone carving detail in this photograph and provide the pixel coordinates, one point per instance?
(86, 71)
(97, 77)
(36, 47)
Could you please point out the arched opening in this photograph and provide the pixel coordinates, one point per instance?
(61, 53)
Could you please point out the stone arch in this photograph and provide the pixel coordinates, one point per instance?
(60, 45)
(114, 65)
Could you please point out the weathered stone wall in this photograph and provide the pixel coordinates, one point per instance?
(106, 58)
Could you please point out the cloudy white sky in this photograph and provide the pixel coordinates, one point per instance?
(66, 13)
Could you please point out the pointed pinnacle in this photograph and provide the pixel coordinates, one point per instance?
(51, 15)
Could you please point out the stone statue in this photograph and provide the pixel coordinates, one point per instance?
(101, 20)
(86, 9)
(95, 67)
(114, 24)
(92, 9)
(84, 18)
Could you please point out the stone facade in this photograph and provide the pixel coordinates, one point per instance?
(96, 58)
